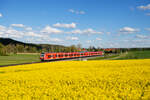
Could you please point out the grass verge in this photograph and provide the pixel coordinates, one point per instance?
(18, 58)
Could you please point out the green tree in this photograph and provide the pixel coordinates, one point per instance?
(2, 50)
(20, 48)
(79, 47)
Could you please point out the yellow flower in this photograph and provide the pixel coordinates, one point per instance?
(101, 80)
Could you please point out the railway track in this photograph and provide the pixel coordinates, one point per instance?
(54, 60)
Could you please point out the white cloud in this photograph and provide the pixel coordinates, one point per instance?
(18, 25)
(28, 36)
(2, 28)
(147, 7)
(15, 36)
(77, 12)
(1, 15)
(139, 41)
(91, 31)
(1, 34)
(86, 31)
(72, 25)
(142, 36)
(148, 14)
(32, 34)
(22, 26)
(108, 33)
(72, 38)
(81, 12)
(14, 33)
(77, 31)
(98, 39)
(55, 40)
(44, 40)
(28, 28)
(127, 30)
(147, 29)
(10, 32)
(49, 29)
(143, 41)
(71, 10)
(89, 41)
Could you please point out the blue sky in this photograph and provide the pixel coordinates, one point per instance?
(99, 23)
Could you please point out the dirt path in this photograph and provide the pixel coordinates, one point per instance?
(121, 55)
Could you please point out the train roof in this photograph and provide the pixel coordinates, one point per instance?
(69, 52)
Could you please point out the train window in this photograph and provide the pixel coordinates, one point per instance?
(60, 55)
(50, 56)
(57, 55)
(42, 55)
(66, 55)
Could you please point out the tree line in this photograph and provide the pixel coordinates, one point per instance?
(22, 48)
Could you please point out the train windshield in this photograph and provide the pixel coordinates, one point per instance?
(42, 55)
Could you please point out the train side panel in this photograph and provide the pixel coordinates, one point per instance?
(53, 56)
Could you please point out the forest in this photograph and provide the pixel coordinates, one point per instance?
(9, 46)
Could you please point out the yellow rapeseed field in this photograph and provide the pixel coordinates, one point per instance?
(77, 80)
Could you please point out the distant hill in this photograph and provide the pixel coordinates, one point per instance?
(9, 41)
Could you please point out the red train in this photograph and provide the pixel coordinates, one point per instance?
(54, 56)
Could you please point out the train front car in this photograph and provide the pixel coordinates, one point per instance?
(42, 56)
